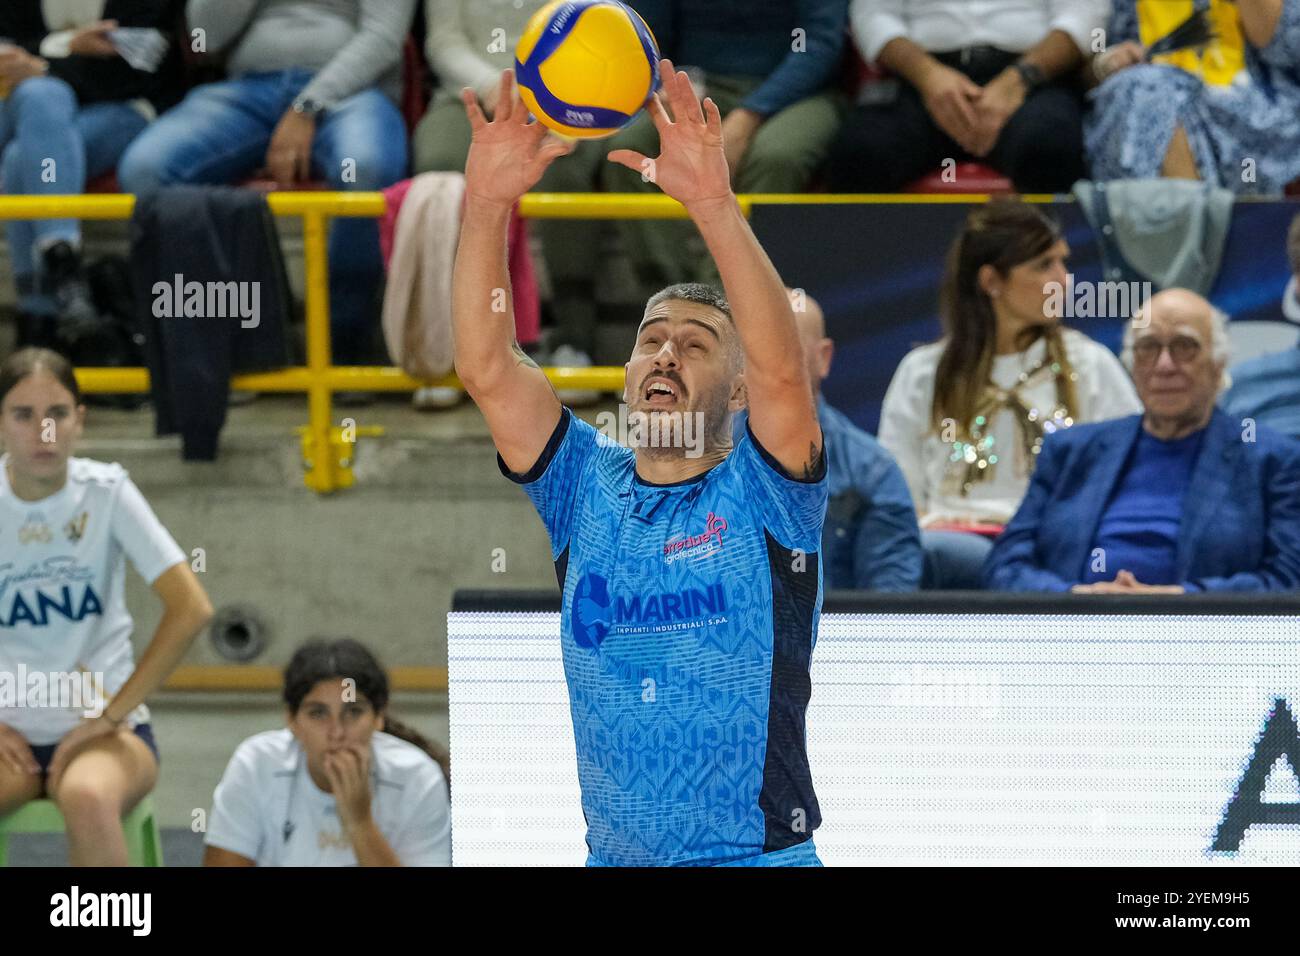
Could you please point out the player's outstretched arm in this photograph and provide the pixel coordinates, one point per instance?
(506, 158)
(692, 168)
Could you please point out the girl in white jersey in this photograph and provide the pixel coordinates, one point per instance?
(73, 725)
(343, 785)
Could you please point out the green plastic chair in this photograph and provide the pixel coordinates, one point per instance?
(143, 841)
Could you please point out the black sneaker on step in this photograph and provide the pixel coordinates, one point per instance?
(63, 277)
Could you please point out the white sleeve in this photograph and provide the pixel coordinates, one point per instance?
(874, 23)
(1110, 389)
(425, 837)
(136, 528)
(57, 45)
(235, 822)
(450, 53)
(1078, 18)
(904, 423)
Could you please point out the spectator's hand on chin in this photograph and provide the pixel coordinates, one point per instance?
(1126, 583)
(996, 104)
(288, 158)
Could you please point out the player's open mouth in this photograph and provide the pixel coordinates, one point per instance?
(660, 391)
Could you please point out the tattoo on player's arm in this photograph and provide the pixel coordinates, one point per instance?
(814, 456)
(522, 357)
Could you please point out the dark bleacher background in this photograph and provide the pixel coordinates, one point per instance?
(876, 268)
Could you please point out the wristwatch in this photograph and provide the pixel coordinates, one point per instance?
(1031, 75)
(306, 106)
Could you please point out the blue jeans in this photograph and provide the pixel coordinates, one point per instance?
(51, 146)
(219, 134)
(954, 560)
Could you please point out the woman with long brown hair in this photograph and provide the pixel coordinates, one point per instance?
(966, 415)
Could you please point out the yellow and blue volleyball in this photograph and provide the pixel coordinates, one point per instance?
(586, 68)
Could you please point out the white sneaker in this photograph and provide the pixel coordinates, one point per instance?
(435, 399)
(566, 356)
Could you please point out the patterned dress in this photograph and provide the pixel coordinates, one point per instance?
(1244, 129)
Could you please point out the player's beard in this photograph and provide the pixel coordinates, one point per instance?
(709, 427)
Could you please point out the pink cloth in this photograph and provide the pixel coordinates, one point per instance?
(523, 277)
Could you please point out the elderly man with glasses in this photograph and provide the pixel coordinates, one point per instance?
(1180, 499)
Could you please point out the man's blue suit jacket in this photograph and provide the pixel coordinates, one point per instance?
(1240, 528)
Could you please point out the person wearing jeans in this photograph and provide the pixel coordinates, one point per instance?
(73, 106)
(313, 92)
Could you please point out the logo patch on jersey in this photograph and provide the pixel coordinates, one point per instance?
(595, 613)
(35, 530)
(697, 545)
(76, 528)
(590, 611)
(40, 608)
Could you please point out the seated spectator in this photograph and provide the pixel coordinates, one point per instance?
(466, 48)
(870, 541)
(344, 784)
(468, 43)
(780, 108)
(73, 105)
(964, 417)
(314, 92)
(1267, 389)
(1227, 113)
(1178, 499)
(992, 81)
(81, 733)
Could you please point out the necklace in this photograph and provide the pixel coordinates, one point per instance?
(974, 456)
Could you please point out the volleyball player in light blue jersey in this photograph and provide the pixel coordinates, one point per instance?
(689, 567)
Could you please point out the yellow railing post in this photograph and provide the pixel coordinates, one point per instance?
(322, 468)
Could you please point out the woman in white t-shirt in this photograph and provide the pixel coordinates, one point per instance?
(965, 416)
(73, 725)
(343, 785)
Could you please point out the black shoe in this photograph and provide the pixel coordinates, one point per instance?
(63, 277)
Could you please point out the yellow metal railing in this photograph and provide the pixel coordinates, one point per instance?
(328, 449)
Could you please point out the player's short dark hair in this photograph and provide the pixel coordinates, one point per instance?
(696, 292)
(703, 294)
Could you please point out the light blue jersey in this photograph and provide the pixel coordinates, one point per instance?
(689, 616)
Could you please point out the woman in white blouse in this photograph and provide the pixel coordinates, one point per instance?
(344, 784)
(965, 416)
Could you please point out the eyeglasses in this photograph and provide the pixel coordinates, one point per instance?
(1182, 349)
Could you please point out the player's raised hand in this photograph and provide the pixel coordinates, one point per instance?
(508, 154)
(691, 165)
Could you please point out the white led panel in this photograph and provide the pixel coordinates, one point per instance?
(946, 739)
